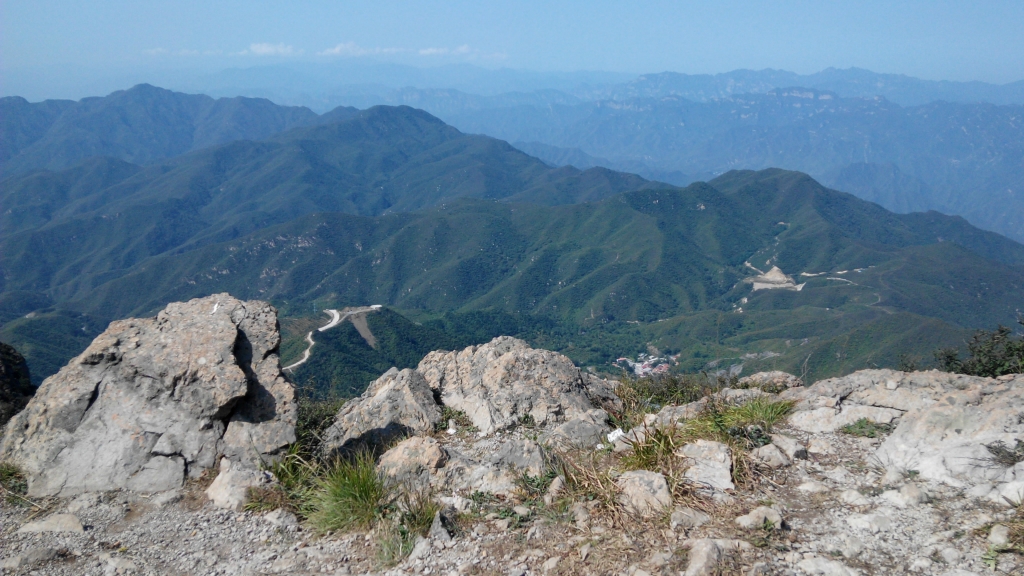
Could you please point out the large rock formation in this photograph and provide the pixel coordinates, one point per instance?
(501, 382)
(15, 385)
(500, 385)
(398, 403)
(155, 399)
(947, 425)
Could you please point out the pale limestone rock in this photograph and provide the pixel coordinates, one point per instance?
(644, 492)
(909, 495)
(413, 461)
(771, 456)
(710, 464)
(945, 422)
(468, 474)
(31, 557)
(522, 455)
(791, 447)
(854, 498)
(54, 523)
(281, 518)
(828, 419)
(500, 382)
(999, 536)
(873, 523)
(154, 399)
(757, 518)
(705, 557)
(586, 430)
(83, 502)
(772, 381)
(812, 487)
(818, 445)
(825, 567)
(684, 517)
(230, 489)
(396, 404)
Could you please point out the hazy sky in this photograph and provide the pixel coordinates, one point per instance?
(933, 39)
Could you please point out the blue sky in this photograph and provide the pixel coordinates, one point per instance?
(979, 40)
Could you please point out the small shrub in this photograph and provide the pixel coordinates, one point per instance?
(742, 427)
(907, 363)
(866, 428)
(14, 484)
(649, 394)
(410, 516)
(460, 418)
(314, 418)
(1003, 455)
(989, 354)
(267, 498)
(417, 511)
(394, 543)
(586, 477)
(533, 487)
(350, 495)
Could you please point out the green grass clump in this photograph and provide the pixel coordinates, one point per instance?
(1002, 454)
(14, 484)
(641, 396)
(742, 427)
(866, 428)
(350, 495)
(460, 418)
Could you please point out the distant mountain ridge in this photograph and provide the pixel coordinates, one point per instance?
(956, 158)
(140, 125)
(380, 160)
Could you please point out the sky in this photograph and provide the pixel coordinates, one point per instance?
(68, 45)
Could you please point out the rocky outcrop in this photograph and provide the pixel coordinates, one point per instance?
(399, 403)
(773, 381)
(152, 400)
(501, 385)
(504, 381)
(15, 385)
(948, 427)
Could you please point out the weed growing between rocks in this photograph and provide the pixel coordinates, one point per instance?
(1005, 456)
(742, 427)
(589, 478)
(866, 428)
(14, 484)
(641, 396)
(457, 417)
(351, 495)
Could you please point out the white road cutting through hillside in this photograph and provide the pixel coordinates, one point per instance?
(336, 318)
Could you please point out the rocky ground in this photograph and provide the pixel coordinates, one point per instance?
(878, 472)
(842, 513)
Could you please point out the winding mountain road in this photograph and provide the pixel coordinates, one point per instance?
(336, 318)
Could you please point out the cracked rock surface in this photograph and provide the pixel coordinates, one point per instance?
(154, 400)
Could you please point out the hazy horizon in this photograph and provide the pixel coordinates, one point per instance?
(75, 49)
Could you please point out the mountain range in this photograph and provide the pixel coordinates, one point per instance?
(464, 235)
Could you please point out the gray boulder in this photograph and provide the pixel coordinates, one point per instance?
(413, 462)
(15, 385)
(501, 382)
(152, 400)
(773, 381)
(399, 403)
